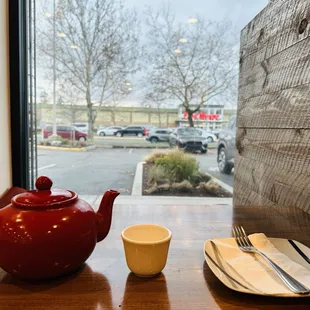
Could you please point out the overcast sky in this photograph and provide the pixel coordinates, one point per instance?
(238, 12)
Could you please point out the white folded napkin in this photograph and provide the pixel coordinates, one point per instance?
(252, 271)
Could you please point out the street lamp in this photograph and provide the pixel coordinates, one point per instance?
(74, 46)
(182, 40)
(178, 51)
(54, 71)
(61, 35)
(130, 89)
(127, 84)
(192, 20)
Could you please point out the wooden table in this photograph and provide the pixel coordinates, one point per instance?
(186, 283)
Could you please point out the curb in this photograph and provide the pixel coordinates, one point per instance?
(137, 184)
(131, 147)
(227, 187)
(137, 181)
(71, 149)
(108, 146)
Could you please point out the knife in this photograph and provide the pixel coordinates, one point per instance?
(299, 251)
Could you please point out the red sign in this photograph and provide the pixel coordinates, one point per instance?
(203, 116)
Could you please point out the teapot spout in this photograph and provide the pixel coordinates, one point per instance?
(104, 214)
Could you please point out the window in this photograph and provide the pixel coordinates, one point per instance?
(133, 99)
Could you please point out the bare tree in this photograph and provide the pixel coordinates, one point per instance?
(70, 107)
(190, 64)
(44, 97)
(155, 100)
(96, 47)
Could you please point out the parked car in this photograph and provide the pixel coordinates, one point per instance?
(149, 128)
(138, 131)
(65, 132)
(81, 127)
(159, 135)
(216, 132)
(189, 139)
(226, 147)
(108, 131)
(209, 136)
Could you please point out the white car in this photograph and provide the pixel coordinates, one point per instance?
(209, 136)
(108, 131)
(81, 127)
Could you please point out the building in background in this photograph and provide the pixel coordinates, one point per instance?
(211, 117)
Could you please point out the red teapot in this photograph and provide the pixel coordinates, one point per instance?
(46, 233)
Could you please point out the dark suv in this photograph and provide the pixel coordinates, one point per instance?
(226, 147)
(138, 131)
(65, 132)
(189, 139)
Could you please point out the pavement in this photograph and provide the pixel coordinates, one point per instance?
(93, 172)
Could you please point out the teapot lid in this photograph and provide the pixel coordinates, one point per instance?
(44, 196)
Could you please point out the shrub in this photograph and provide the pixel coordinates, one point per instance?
(210, 187)
(81, 144)
(158, 175)
(178, 166)
(65, 141)
(200, 177)
(150, 159)
(158, 188)
(184, 186)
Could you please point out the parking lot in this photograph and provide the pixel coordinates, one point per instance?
(91, 173)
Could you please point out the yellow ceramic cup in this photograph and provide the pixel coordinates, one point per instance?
(146, 248)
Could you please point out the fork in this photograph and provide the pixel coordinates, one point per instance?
(245, 244)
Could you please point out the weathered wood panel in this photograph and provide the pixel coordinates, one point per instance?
(274, 29)
(283, 149)
(288, 108)
(273, 138)
(262, 184)
(284, 70)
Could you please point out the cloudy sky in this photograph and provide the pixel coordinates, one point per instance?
(240, 12)
(237, 12)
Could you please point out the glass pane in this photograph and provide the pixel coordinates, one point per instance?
(32, 91)
(126, 69)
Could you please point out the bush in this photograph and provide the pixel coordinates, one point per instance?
(178, 166)
(81, 144)
(210, 187)
(158, 175)
(65, 141)
(183, 187)
(150, 159)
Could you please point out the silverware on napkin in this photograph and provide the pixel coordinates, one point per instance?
(245, 244)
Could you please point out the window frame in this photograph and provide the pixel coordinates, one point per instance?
(18, 69)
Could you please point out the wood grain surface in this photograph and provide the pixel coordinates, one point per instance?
(273, 136)
(186, 283)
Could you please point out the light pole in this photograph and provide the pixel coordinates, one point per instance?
(54, 71)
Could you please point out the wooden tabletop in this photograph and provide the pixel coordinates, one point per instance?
(186, 283)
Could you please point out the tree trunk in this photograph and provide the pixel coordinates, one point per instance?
(190, 119)
(159, 119)
(90, 117)
(113, 117)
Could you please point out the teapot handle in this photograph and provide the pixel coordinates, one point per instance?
(5, 198)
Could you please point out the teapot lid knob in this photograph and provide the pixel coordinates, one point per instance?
(43, 183)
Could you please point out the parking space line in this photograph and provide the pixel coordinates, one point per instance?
(130, 151)
(45, 167)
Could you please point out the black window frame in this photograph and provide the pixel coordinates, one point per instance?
(18, 68)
